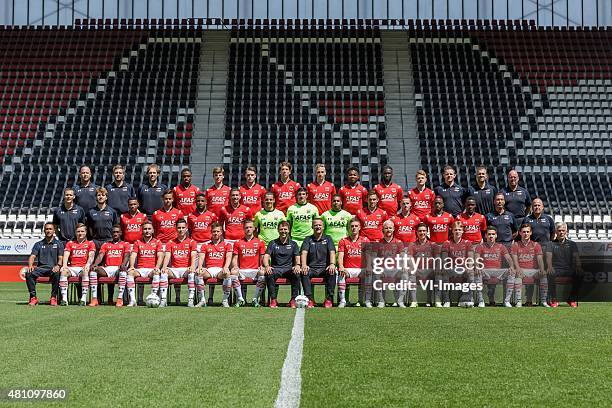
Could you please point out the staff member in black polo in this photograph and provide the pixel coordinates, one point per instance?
(119, 191)
(45, 260)
(101, 219)
(85, 189)
(67, 216)
(318, 259)
(282, 259)
(565, 262)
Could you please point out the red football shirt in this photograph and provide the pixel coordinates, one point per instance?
(439, 226)
(425, 249)
(371, 223)
(114, 252)
(405, 227)
(164, 223)
(233, 219)
(353, 198)
(473, 226)
(214, 254)
(252, 197)
(527, 254)
(457, 249)
(320, 195)
(352, 251)
(132, 226)
(200, 225)
(217, 198)
(284, 193)
(184, 198)
(492, 255)
(249, 252)
(180, 252)
(422, 202)
(390, 197)
(146, 252)
(79, 252)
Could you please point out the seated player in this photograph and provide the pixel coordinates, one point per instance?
(336, 221)
(300, 216)
(372, 218)
(48, 254)
(456, 251)
(145, 260)
(214, 262)
(423, 252)
(282, 259)
(78, 258)
(492, 254)
(474, 224)
(247, 261)
(350, 250)
(116, 256)
(528, 261)
(389, 247)
(318, 259)
(179, 262)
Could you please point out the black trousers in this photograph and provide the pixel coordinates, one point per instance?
(330, 283)
(32, 277)
(289, 275)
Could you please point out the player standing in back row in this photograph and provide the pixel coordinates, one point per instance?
(389, 193)
(321, 191)
(185, 193)
(353, 194)
(421, 197)
(285, 189)
(251, 193)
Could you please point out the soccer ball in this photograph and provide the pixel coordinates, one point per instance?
(152, 300)
(301, 301)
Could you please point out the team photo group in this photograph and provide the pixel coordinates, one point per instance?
(248, 235)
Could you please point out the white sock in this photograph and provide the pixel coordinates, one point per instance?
(259, 286)
(163, 284)
(131, 288)
(155, 285)
(64, 287)
(191, 285)
(227, 286)
(201, 288)
(93, 284)
(122, 279)
(237, 287)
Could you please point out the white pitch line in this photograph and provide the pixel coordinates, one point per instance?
(291, 377)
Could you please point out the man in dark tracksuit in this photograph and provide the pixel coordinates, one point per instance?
(47, 256)
(282, 259)
(318, 259)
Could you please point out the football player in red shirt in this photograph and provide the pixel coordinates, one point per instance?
(146, 259)
(474, 224)
(251, 193)
(164, 219)
(439, 222)
(179, 261)
(353, 194)
(528, 262)
(424, 253)
(78, 258)
(131, 221)
(320, 191)
(217, 195)
(350, 250)
(457, 253)
(185, 193)
(247, 262)
(492, 254)
(214, 262)
(405, 222)
(116, 256)
(390, 194)
(421, 197)
(285, 189)
(233, 216)
(199, 222)
(372, 218)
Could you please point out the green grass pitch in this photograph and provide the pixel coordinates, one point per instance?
(352, 358)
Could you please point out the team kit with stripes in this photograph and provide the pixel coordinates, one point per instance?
(388, 241)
